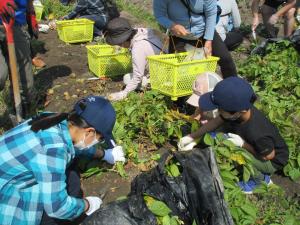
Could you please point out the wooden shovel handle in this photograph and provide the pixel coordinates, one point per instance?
(13, 66)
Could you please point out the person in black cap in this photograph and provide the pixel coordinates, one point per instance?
(247, 127)
(143, 43)
(36, 183)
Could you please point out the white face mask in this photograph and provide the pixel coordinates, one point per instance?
(82, 146)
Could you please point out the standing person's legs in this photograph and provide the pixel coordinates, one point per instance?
(226, 63)
(289, 22)
(100, 23)
(23, 53)
(267, 12)
(233, 40)
(74, 190)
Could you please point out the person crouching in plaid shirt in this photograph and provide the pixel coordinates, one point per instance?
(35, 157)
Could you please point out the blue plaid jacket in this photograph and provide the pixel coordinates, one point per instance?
(88, 7)
(32, 175)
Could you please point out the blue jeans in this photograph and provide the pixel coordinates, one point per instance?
(100, 23)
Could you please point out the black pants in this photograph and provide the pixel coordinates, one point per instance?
(267, 11)
(74, 190)
(233, 40)
(219, 49)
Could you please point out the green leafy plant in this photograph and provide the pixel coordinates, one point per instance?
(161, 211)
(146, 119)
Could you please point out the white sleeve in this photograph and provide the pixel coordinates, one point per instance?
(236, 17)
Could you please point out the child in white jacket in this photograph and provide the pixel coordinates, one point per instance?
(142, 42)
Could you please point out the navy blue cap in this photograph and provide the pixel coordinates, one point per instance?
(232, 94)
(99, 114)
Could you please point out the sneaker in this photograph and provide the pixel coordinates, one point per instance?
(247, 187)
(267, 179)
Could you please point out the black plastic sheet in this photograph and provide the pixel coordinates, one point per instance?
(196, 195)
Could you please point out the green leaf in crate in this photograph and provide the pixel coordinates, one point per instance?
(208, 140)
(246, 174)
(159, 208)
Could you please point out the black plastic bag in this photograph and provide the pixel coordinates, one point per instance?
(195, 195)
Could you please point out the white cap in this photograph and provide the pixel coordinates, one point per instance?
(204, 83)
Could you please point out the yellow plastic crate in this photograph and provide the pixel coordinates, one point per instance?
(38, 11)
(104, 61)
(173, 77)
(75, 31)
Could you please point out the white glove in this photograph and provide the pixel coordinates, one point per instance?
(117, 96)
(298, 18)
(236, 139)
(114, 155)
(273, 19)
(186, 143)
(94, 204)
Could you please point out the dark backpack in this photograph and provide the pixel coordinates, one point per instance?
(111, 8)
